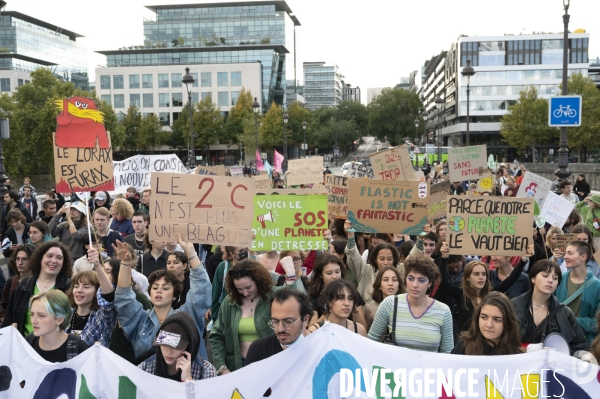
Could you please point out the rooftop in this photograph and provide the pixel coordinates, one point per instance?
(72, 35)
(276, 47)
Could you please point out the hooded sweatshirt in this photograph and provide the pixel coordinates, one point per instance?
(188, 323)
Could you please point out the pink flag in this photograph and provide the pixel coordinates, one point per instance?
(278, 161)
(259, 162)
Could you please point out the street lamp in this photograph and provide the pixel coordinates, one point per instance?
(256, 108)
(563, 172)
(439, 102)
(304, 146)
(286, 118)
(467, 72)
(416, 135)
(3, 177)
(189, 80)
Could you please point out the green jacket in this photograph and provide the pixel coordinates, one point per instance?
(587, 216)
(145, 209)
(219, 291)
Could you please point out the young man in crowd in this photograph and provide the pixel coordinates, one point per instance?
(101, 219)
(27, 184)
(57, 197)
(579, 289)
(567, 192)
(11, 201)
(457, 188)
(429, 242)
(48, 211)
(503, 268)
(29, 202)
(139, 220)
(145, 201)
(513, 187)
(290, 314)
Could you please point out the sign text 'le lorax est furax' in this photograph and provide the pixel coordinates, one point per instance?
(489, 225)
(204, 209)
(387, 206)
(337, 200)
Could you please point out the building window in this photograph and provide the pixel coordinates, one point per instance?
(148, 99)
(176, 80)
(223, 98)
(106, 98)
(163, 80)
(147, 114)
(206, 79)
(134, 81)
(523, 52)
(163, 99)
(176, 116)
(195, 76)
(469, 51)
(206, 94)
(177, 100)
(579, 51)
(105, 82)
(5, 84)
(195, 98)
(147, 81)
(236, 78)
(19, 82)
(222, 80)
(234, 97)
(134, 99)
(118, 81)
(119, 101)
(165, 118)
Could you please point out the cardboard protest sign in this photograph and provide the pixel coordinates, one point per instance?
(287, 221)
(556, 210)
(419, 176)
(135, 171)
(387, 206)
(217, 170)
(305, 171)
(597, 257)
(392, 164)
(262, 181)
(204, 209)
(337, 200)
(563, 240)
(485, 184)
(437, 199)
(236, 170)
(489, 225)
(358, 170)
(467, 163)
(536, 187)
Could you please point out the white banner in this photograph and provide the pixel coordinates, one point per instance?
(323, 365)
(135, 171)
(556, 210)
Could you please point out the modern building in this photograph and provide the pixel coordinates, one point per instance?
(322, 85)
(350, 93)
(374, 92)
(594, 71)
(294, 92)
(27, 43)
(504, 66)
(404, 84)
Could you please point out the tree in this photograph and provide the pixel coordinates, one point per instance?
(208, 123)
(270, 134)
(583, 136)
(353, 110)
(294, 130)
(151, 134)
(131, 124)
(180, 131)
(242, 110)
(526, 123)
(392, 114)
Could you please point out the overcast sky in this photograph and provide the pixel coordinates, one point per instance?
(373, 42)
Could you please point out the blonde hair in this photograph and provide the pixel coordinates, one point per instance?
(57, 304)
(551, 231)
(122, 208)
(102, 212)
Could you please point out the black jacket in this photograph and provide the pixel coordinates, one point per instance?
(19, 301)
(20, 206)
(11, 234)
(564, 322)
(147, 264)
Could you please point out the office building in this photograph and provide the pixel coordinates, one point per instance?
(27, 43)
(374, 92)
(294, 92)
(404, 84)
(322, 85)
(350, 93)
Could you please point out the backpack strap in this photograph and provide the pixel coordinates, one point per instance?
(73, 345)
(579, 291)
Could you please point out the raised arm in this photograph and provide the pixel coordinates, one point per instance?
(354, 260)
(122, 252)
(514, 275)
(94, 258)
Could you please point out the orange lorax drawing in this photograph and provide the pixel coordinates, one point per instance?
(80, 124)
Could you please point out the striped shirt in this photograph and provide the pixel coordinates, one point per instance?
(432, 332)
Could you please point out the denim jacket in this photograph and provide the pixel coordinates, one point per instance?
(141, 326)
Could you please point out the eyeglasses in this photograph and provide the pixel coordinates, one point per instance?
(236, 274)
(21, 260)
(296, 259)
(287, 323)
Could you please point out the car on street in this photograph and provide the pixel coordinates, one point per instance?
(345, 168)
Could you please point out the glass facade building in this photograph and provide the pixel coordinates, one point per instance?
(27, 43)
(322, 85)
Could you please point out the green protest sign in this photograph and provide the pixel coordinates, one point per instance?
(289, 222)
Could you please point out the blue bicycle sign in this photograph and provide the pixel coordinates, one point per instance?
(564, 111)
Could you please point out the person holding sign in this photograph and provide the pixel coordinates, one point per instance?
(71, 232)
(140, 326)
(590, 215)
(539, 313)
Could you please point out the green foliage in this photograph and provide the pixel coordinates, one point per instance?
(207, 123)
(180, 131)
(294, 130)
(131, 124)
(392, 114)
(234, 125)
(151, 134)
(526, 124)
(584, 135)
(270, 134)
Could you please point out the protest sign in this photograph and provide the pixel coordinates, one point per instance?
(419, 176)
(597, 257)
(437, 199)
(387, 206)
(135, 171)
(305, 171)
(204, 209)
(467, 163)
(236, 170)
(563, 240)
(337, 200)
(392, 164)
(289, 222)
(358, 170)
(489, 225)
(536, 187)
(485, 184)
(556, 210)
(218, 170)
(262, 181)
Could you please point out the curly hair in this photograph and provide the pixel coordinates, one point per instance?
(425, 266)
(29, 249)
(375, 252)
(84, 277)
(122, 208)
(377, 294)
(169, 278)
(316, 283)
(253, 270)
(35, 261)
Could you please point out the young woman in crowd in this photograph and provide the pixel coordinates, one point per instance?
(17, 233)
(338, 248)
(19, 265)
(387, 282)
(539, 313)
(583, 234)
(375, 240)
(71, 232)
(551, 242)
(122, 211)
(493, 329)
(50, 316)
(141, 326)
(94, 316)
(177, 263)
(245, 313)
(422, 323)
(298, 257)
(50, 270)
(581, 187)
(39, 233)
(475, 285)
(339, 301)
(177, 359)
(231, 256)
(154, 259)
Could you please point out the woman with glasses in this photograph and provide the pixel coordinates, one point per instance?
(19, 265)
(245, 313)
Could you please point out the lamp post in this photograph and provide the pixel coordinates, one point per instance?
(563, 171)
(189, 80)
(416, 135)
(304, 146)
(286, 118)
(467, 72)
(256, 108)
(3, 177)
(439, 102)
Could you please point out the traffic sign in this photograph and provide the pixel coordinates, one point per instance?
(564, 111)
